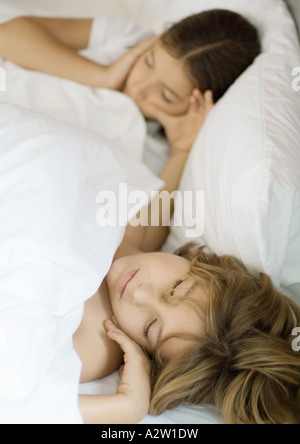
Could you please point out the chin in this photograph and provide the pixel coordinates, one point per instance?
(147, 115)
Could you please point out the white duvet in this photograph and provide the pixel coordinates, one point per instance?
(53, 255)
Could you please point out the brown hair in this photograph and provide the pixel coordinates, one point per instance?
(217, 46)
(244, 363)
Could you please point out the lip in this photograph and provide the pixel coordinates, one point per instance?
(125, 281)
(126, 92)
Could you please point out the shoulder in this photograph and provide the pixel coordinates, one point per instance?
(99, 355)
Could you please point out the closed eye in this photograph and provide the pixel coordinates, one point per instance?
(166, 99)
(177, 283)
(148, 327)
(148, 62)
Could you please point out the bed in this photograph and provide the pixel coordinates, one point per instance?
(248, 171)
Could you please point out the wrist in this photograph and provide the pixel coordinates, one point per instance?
(114, 79)
(179, 154)
(179, 150)
(99, 77)
(177, 161)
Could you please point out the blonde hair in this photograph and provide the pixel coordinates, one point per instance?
(244, 364)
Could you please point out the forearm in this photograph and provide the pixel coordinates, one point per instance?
(155, 236)
(152, 236)
(26, 43)
(106, 410)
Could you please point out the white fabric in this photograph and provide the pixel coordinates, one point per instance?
(53, 255)
(111, 38)
(247, 161)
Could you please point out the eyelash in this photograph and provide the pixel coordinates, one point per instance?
(165, 98)
(148, 64)
(147, 329)
(179, 282)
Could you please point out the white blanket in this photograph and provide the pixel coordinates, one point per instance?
(110, 113)
(53, 255)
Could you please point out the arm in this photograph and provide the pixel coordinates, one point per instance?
(131, 402)
(73, 33)
(28, 43)
(50, 46)
(151, 238)
(181, 133)
(112, 409)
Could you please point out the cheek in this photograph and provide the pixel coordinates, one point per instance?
(177, 110)
(155, 100)
(129, 322)
(137, 73)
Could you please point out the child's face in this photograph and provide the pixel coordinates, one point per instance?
(141, 311)
(161, 81)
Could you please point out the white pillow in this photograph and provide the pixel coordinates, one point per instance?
(247, 160)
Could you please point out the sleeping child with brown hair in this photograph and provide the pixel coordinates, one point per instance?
(171, 77)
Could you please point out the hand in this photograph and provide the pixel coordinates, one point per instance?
(182, 131)
(117, 73)
(135, 382)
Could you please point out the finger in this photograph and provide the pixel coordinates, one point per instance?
(117, 335)
(157, 114)
(195, 104)
(198, 98)
(114, 319)
(121, 370)
(208, 100)
(108, 324)
(144, 46)
(201, 103)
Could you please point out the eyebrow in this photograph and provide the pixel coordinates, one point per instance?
(164, 85)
